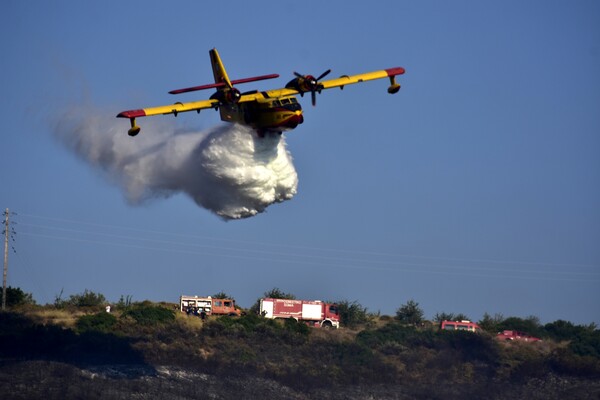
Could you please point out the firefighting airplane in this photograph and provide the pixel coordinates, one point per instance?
(275, 110)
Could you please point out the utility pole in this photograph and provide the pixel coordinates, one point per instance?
(6, 234)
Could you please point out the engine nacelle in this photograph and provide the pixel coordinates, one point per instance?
(227, 96)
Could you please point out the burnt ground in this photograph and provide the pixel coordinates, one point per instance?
(50, 380)
(251, 358)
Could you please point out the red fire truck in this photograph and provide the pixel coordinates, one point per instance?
(516, 335)
(312, 312)
(460, 326)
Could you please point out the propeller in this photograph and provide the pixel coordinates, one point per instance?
(311, 84)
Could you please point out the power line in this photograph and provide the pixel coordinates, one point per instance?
(318, 261)
(299, 247)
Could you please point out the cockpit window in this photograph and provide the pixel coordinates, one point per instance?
(285, 101)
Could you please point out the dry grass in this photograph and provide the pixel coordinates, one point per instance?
(334, 335)
(46, 316)
(189, 321)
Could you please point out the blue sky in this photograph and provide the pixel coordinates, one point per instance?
(474, 189)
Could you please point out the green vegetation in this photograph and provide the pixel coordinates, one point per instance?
(222, 295)
(443, 316)
(410, 313)
(87, 299)
(367, 352)
(352, 314)
(17, 297)
(102, 322)
(124, 302)
(490, 323)
(146, 313)
(277, 293)
(274, 293)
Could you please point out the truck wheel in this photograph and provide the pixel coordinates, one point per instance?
(326, 325)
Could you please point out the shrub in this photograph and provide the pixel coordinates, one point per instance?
(147, 314)
(469, 346)
(102, 322)
(252, 325)
(566, 362)
(87, 299)
(124, 302)
(586, 343)
(392, 333)
(293, 326)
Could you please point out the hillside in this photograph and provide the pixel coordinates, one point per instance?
(150, 351)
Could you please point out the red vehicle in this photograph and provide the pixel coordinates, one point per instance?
(460, 326)
(516, 335)
(312, 312)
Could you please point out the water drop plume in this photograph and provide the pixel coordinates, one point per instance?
(228, 169)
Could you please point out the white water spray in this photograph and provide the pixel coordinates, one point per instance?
(228, 170)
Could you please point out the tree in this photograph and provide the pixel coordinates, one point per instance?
(491, 324)
(565, 330)
(530, 325)
(124, 302)
(277, 293)
(461, 317)
(410, 313)
(17, 297)
(352, 313)
(86, 299)
(222, 295)
(274, 293)
(439, 317)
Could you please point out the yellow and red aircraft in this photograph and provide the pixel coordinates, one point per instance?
(275, 110)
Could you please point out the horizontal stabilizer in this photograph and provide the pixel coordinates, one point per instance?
(223, 84)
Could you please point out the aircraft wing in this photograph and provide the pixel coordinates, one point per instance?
(170, 109)
(295, 88)
(369, 76)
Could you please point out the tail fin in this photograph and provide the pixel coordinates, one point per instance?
(218, 69)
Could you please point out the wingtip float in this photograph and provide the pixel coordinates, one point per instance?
(275, 110)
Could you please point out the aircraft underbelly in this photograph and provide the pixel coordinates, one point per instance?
(262, 117)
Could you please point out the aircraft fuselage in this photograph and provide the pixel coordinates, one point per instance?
(266, 114)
